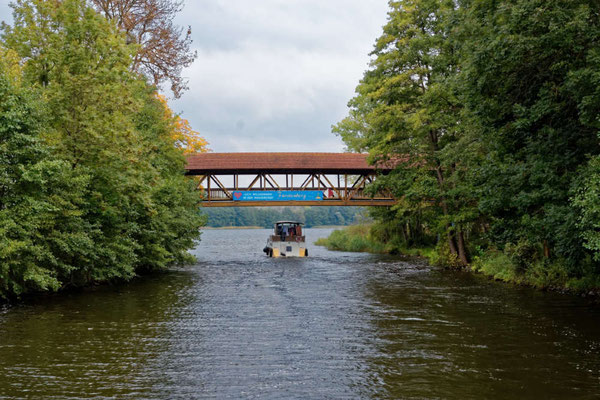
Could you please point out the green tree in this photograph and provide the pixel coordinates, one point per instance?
(81, 66)
(406, 111)
(587, 200)
(530, 79)
(167, 221)
(40, 196)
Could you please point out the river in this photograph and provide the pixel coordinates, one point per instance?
(332, 326)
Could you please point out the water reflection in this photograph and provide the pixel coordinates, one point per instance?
(448, 334)
(102, 343)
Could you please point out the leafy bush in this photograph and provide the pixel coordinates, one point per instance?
(497, 265)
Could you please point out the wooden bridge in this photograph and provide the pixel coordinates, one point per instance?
(286, 179)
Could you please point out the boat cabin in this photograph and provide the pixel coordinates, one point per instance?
(287, 230)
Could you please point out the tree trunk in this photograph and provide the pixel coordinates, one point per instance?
(462, 252)
(451, 242)
(546, 249)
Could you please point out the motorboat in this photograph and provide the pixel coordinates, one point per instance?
(287, 240)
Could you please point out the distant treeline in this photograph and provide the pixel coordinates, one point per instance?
(267, 216)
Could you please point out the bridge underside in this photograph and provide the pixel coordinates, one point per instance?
(321, 179)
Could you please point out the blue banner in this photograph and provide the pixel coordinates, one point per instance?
(278, 195)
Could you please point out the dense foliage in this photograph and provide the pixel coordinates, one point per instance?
(491, 112)
(91, 178)
(266, 217)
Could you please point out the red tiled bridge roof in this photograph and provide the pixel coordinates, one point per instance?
(278, 163)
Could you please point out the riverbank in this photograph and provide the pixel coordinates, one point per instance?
(493, 264)
(357, 238)
(101, 288)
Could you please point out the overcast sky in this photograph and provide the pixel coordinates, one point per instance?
(273, 75)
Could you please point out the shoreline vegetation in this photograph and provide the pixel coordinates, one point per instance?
(358, 239)
(494, 265)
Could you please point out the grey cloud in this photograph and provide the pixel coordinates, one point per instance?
(287, 68)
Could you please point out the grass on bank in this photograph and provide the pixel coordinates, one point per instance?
(358, 238)
(497, 265)
(542, 274)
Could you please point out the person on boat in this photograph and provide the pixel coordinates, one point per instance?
(285, 231)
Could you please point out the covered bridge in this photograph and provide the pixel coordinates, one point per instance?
(275, 179)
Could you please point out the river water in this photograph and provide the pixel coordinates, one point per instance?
(332, 326)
